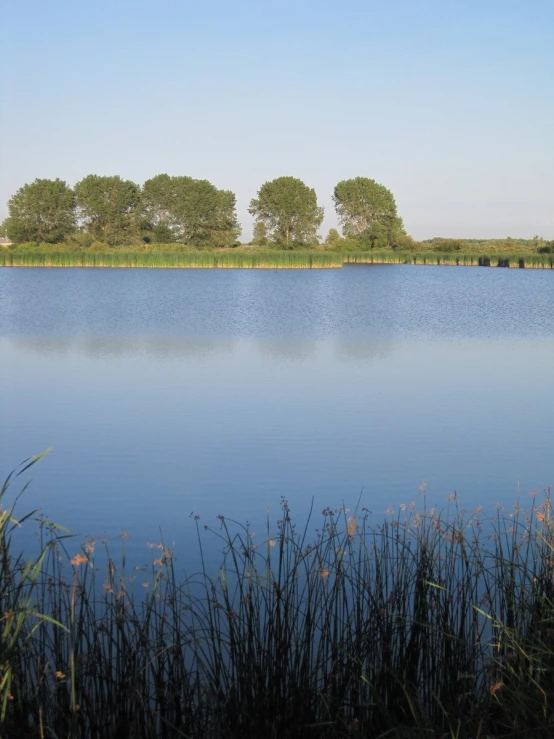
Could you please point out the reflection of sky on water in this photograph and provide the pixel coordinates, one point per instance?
(169, 348)
(166, 392)
(353, 302)
(130, 347)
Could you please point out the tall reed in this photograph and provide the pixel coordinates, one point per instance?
(265, 260)
(200, 259)
(517, 260)
(427, 624)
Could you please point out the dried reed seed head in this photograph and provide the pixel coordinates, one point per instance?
(78, 559)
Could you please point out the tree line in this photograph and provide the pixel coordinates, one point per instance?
(185, 210)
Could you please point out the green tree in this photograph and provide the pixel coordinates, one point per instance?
(192, 211)
(289, 211)
(260, 234)
(158, 194)
(207, 215)
(4, 228)
(109, 208)
(367, 211)
(43, 210)
(332, 237)
(407, 243)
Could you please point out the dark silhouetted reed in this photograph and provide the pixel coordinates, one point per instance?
(428, 624)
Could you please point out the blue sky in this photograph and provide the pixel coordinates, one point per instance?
(450, 104)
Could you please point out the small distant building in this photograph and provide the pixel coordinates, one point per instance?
(4, 241)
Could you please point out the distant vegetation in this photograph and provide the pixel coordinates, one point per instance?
(177, 214)
(423, 624)
(252, 258)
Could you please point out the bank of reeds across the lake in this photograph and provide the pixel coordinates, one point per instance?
(516, 260)
(191, 260)
(272, 259)
(424, 624)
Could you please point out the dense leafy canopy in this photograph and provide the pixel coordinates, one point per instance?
(182, 213)
(288, 210)
(43, 210)
(109, 208)
(260, 234)
(191, 211)
(333, 237)
(367, 211)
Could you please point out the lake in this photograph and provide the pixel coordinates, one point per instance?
(166, 392)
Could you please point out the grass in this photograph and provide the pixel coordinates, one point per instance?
(272, 259)
(427, 624)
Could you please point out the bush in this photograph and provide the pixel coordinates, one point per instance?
(447, 245)
(406, 243)
(80, 239)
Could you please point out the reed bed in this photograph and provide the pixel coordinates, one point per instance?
(265, 260)
(195, 260)
(426, 624)
(516, 260)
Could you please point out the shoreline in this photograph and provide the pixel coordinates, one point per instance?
(260, 260)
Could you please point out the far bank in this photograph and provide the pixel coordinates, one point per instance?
(231, 259)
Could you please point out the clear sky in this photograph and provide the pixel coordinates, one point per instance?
(449, 103)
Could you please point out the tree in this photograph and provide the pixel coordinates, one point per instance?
(207, 215)
(43, 210)
(109, 208)
(157, 197)
(260, 234)
(289, 211)
(332, 237)
(192, 211)
(367, 211)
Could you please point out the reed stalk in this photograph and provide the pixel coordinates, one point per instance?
(265, 260)
(427, 623)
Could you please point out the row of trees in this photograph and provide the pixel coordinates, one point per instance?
(189, 211)
(117, 211)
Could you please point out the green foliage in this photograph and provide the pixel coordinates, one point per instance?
(347, 245)
(191, 211)
(288, 210)
(109, 208)
(448, 245)
(486, 246)
(260, 234)
(79, 240)
(538, 242)
(367, 211)
(4, 228)
(43, 210)
(333, 237)
(162, 233)
(406, 243)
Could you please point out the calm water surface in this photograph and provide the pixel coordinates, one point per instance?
(165, 392)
